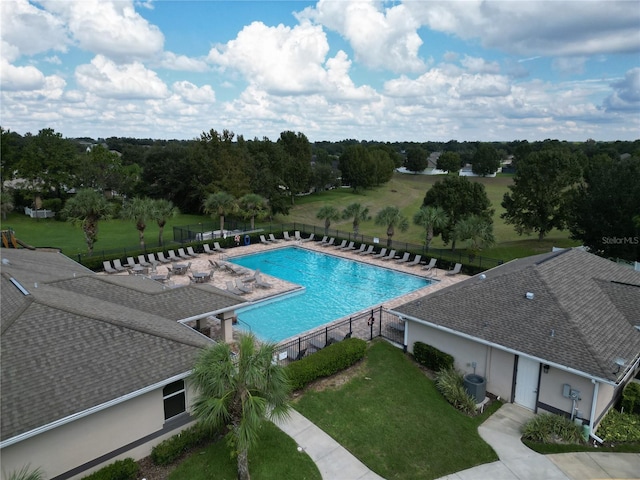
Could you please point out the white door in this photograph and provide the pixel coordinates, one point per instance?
(527, 382)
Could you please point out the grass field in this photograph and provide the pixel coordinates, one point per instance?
(404, 191)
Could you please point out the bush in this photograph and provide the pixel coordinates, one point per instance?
(631, 398)
(326, 362)
(53, 204)
(450, 384)
(126, 469)
(620, 427)
(173, 448)
(550, 428)
(431, 357)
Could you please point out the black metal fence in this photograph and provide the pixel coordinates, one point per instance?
(367, 325)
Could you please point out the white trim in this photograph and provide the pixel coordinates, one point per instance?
(200, 316)
(594, 403)
(92, 410)
(503, 348)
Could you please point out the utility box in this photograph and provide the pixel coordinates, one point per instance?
(566, 390)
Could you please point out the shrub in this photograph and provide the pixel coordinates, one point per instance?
(53, 204)
(126, 469)
(325, 362)
(550, 428)
(631, 398)
(450, 384)
(431, 357)
(620, 427)
(173, 448)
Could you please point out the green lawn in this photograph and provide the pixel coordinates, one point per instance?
(275, 457)
(393, 419)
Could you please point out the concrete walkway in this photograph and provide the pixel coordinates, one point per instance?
(501, 431)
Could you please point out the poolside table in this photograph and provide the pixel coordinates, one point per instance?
(201, 277)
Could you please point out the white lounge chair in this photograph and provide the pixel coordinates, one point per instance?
(342, 245)
(264, 241)
(368, 251)
(350, 246)
(431, 265)
(231, 288)
(207, 249)
(260, 282)
(324, 240)
(273, 239)
(191, 252)
(361, 249)
(415, 261)
(162, 258)
(405, 258)
(118, 265)
(182, 254)
(455, 270)
(329, 243)
(217, 247)
(381, 254)
(152, 259)
(130, 262)
(143, 261)
(242, 287)
(108, 268)
(309, 238)
(391, 256)
(296, 235)
(172, 256)
(286, 236)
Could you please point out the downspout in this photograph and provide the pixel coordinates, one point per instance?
(594, 401)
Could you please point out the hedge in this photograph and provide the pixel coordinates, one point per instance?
(431, 357)
(326, 362)
(631, 398)
(126, 469)
(173, 448)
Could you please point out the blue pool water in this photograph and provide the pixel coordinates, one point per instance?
(334, 288)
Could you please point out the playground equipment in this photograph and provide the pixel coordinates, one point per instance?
(9, 240)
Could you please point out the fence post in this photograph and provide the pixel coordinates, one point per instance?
(380, 323)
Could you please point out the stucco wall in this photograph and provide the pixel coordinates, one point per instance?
(66, 447)
(551, 392)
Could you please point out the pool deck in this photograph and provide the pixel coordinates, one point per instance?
(220, 277)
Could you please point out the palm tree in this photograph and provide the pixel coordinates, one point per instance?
(253, 206)
(139, 210)
(240, 392)
(161, 211)
(328, 213)
(6, 204)
(220, 204)
(431, 218)
(392, 218)
(25, 473)
(87, 207)
(476, 229)
(358, 214)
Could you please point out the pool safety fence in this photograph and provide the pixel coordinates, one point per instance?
(366, 325)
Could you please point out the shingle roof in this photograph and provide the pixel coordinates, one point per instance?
(78, 339)
(582, 315)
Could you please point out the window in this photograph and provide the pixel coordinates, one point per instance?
(174, 399)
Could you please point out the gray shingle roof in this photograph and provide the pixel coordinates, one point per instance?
(78, 339)
(582, 315)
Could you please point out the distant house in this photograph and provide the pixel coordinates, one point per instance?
(94, 367)
(556, 332)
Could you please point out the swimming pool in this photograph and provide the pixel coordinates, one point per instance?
(334, 287)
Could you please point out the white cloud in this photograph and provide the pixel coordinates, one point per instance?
(105, 78)
(626, 94)
(563, 28)
(29, 29)
(191, 93)
(110, 28)
(381, 38)
(569, 65)
(479, 65)
(279, 59)
(20, 78)
(182, 63)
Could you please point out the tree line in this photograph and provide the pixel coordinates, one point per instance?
(591, 188)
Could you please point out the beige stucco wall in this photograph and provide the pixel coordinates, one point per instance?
(500, 376)
(551, 391)
(73, 444)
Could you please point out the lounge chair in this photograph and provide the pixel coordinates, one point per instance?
(191, 252)
(242, 287)
(391, 256)
(207, 249)
(431, 265)
(183, 255)
(172, 256)
(273, 239)
(296, 235)
(152, 259)
(351, 246)
(317, 344)
(455, 270)
(231, 288)
(264, 240)
(381, 254)
(342, 245)
(324, 240)
(329, 243)
(415, 261)
(234, 269)
(309, 238)
(130, 262)
(143, 261)
(261, 283)
(108, 268)
(217, 247)
(118, 265)
(405, 258)
(162, 258)
(368, 251)
(361, 249)
(286, 236)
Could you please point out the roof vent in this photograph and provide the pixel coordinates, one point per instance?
(528, 295)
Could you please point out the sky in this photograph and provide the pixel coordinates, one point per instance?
(412, 70)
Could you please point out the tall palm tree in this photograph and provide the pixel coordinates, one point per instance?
(476, 229)
(431, 218)
(161, 211)
(253, 206)
(392, 218)
(328, 213)
(139, 210)
(87, 207)
(240, 391)
(358, 213)
(220, 204)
